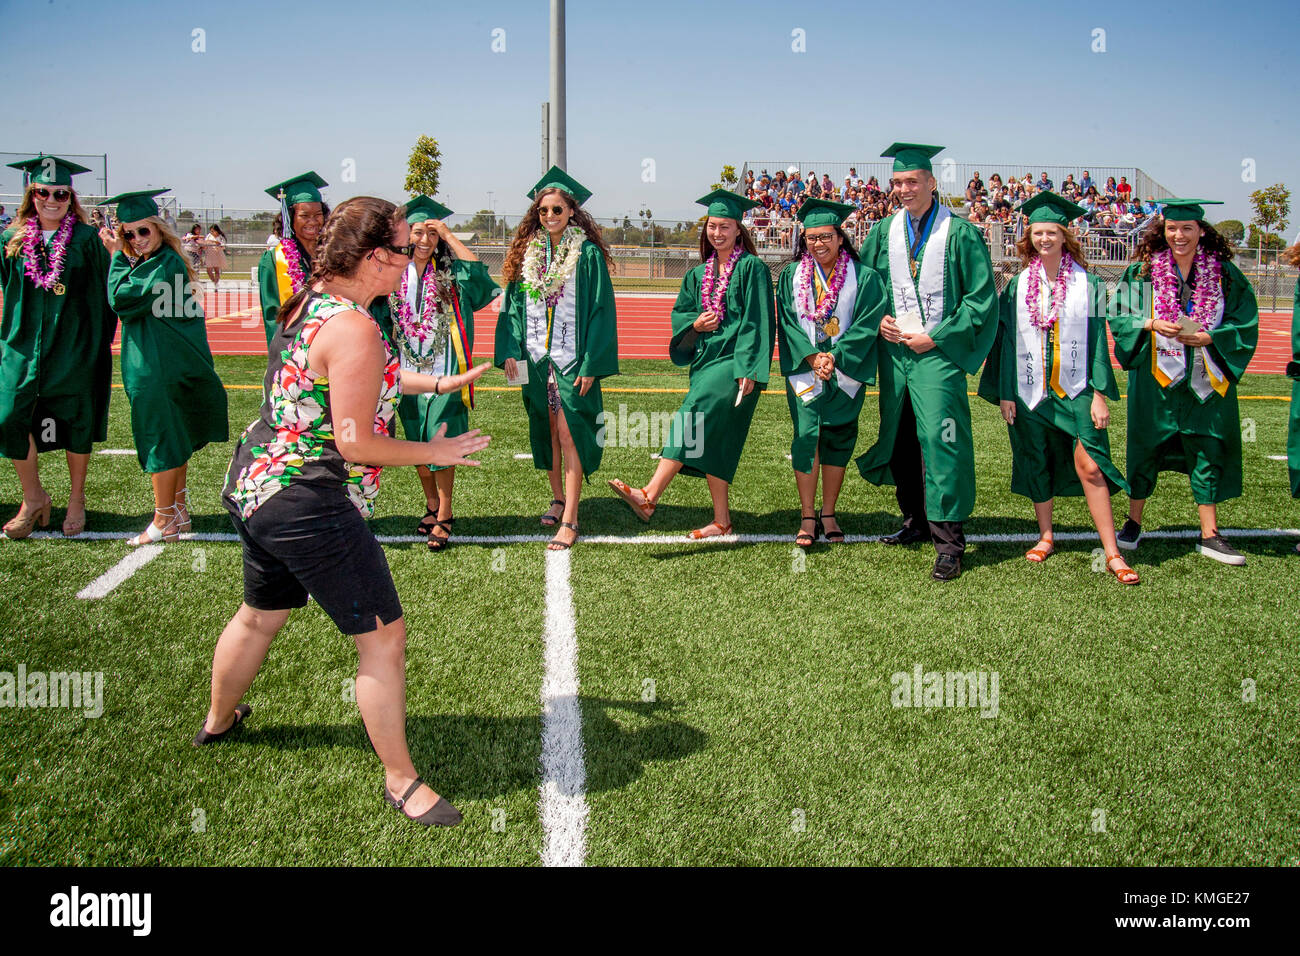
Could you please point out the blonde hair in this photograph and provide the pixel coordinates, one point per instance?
(167, 237)
(27, 210)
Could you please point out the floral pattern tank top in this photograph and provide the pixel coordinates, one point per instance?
(292, 441)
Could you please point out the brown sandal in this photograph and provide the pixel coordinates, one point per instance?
(1124, 575)
(1038, 554)
(699, 535)
(643, 511)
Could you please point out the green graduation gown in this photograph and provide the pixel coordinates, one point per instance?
(1170, 429)
(422, 414)
(1293, 434)
(593, 353)
(56, 363)
(178, 404)
(936, 380)
(1043, 438)
(708, 432)
(829, 423)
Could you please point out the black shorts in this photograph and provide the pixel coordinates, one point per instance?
(299, 542)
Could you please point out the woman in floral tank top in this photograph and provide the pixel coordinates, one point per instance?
(305, 476)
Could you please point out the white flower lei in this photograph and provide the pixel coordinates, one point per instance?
(542, 283)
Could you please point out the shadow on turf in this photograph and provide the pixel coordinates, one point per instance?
(477, 758)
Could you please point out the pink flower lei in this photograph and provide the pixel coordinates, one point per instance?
(47, 280)
(714, 299)
(415, 327)
(804, 295)
(293, 259)
(1034, 292)
(1205, 298)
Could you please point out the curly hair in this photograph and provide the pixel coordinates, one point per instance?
(1153, 241)
(513, 269)
(355, 229)
(1292, 255)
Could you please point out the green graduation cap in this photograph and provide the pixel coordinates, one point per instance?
(304, 187)
(909, 156)
(1049, 207)
(1186, 210)
(423, 207)
(136, 205)
(726, 204)
(48, 170)
(823, 212)
(556, 178)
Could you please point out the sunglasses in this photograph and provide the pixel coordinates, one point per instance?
(553, 210)
(142, 232)
(58, 194)
(407, 250)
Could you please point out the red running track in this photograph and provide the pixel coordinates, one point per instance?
(235, 328)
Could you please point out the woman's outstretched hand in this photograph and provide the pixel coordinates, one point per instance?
(446, 452)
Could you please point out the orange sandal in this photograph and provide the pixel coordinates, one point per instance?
(1038, 554)
(1124, 575)
(643, 511)
(699, 533)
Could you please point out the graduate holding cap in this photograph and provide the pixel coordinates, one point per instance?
(722, 328)
(1050, 374)
(282, 270)
(178, 403)
(828, 308)
(433, 329)
(55, 363)
(558, 323)
(1186, 328)
(941, 322)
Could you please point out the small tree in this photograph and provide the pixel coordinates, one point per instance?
(728, 177)
(1272, 207)
(1231, 230)
(423, 167)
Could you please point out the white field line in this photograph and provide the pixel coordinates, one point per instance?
(681, 538)
(563, 802)
(103, 585)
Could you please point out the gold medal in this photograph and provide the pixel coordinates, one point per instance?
(59, 288)
(832, 328)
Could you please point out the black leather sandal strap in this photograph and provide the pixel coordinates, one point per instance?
(571, 527)
(419, 782)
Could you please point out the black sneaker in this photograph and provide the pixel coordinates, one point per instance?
(1129, 535)
(1218, 549)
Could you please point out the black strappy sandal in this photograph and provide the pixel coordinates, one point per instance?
(832, 537)
(806, 539)
(560, 545)
(548, 519)
(436, 543)
(441, 814)
(424, 528)
(203, 737)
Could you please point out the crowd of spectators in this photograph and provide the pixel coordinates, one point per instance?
(1111, 211)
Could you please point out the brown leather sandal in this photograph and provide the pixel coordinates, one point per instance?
(1124, 575)
(1038, 554)
(699, 535)
(624, 490)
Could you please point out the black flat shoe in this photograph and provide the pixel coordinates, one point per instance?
(906, 535)
(947, 567)
(441, 814)
(203, 737)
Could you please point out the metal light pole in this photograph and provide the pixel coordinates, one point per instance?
(558, 149)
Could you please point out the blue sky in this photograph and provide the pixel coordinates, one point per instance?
(1186, 91)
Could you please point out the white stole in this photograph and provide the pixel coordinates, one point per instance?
(564, 327)
(1171, 356)
(926, 312)
(1071, 333)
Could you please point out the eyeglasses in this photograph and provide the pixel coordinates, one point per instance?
(59, 195)
(821, 240)
(142, 232)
